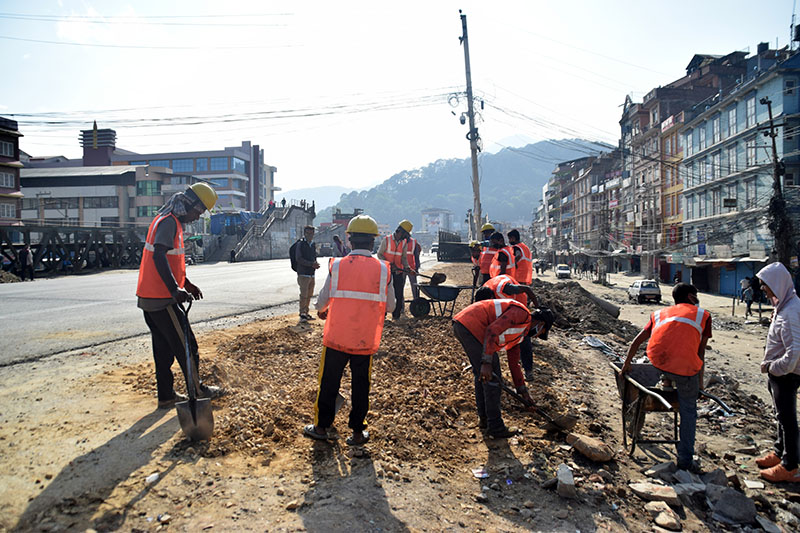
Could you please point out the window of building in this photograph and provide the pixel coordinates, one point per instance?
(183, 165)
(8, 210)
(750, 193)
(146, 210)
(201, 164)
(732, 121)
(750, 152)
(716, 201)
(159, 163)
(239, 165)
(732, 166)
(789, 87)
(701, 200)
(109, 221)
(732, 192)
(8, 180)
(100, 202)
(715, 169)
(751, 111)
(219, 163)
(30, 203)
(220, 182)
(138, 163)
(701, 137)
(788, 179)
(668, 146)
(716, 134)
(690, 175)
(148, 188)
(689, 147)
(701, 172)
(6, 149)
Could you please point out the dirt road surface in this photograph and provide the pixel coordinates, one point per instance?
(82, 446)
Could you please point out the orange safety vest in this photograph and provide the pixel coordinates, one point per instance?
(498, 284)
(150, 284)
(412, 245)
(511, 268)
(478, 316)
(394, 252)
(487, 253)
(357, 304)
(675, 337)
(525, 266)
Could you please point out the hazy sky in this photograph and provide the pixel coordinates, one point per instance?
(349, 93)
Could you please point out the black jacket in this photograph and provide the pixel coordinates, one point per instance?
(306, 256)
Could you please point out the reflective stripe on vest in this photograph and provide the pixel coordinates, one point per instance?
(525, 265)
(494, 268)
(359, 287)
(485, 261)
(511, 336)
(410, 247)
(393, 252)
(150, 284)
(675, 339)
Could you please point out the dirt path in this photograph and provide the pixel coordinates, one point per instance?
(80, 438)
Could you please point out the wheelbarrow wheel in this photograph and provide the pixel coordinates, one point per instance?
(419, 307)
(632, 423)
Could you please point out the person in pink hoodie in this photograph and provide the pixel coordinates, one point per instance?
(780, 363)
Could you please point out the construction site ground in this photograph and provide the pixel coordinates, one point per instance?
(83, 447)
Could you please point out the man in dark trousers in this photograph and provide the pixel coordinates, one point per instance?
(306, 256)
(163, 286)
(394, 248)
(677, 345)
(26, 262)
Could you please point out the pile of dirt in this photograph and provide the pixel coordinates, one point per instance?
(8, 277)
(576, 311)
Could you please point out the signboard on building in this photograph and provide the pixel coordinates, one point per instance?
(673, 234)
(701, 242)
(667, 124)
(613, 203)
(729, 202)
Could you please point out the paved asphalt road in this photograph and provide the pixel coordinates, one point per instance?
(50, 316)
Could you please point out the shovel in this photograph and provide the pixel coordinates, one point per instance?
(562, 422)
(194, 415)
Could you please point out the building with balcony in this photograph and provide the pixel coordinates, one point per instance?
(10, 194)
(239, 174)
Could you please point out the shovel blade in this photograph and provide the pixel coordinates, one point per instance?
(438, 278)
(198, 423)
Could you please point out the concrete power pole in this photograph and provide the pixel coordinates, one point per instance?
(472, 136)
(779, 222)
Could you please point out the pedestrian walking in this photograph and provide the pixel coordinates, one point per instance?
(781, 356)
(305, 257)
(748, 298)
(26, 262)
(163, 286)
(353, 302)
(743, 284)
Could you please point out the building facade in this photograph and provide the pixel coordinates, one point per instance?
(10, 194)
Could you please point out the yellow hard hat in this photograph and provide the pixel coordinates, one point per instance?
(406, 225)
(474, 244)
(363, 224)
(206, 194)
(487, 227)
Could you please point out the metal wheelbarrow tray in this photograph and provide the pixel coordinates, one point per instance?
(443, 296)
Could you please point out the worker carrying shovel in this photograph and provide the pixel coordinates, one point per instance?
(353, 302)
(163, 287)
(483, 329)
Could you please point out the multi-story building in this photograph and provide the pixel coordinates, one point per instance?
(728, 166)
(10, 194)
(597, 196)
(239, 174)
(560, 199)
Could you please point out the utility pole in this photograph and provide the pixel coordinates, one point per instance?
(779, 223)
(472, 136)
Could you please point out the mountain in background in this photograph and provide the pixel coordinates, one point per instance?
(323, 197)
(511, 184)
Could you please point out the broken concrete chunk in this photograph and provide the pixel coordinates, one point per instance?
(669, 520)
(689, 489)
(750, 484)
(730, 506)
(592, 448)
(715, 477)
(566, 482)
(768, 525)
(656, 507)
(659, 470)
(653, 492)
(684, 476)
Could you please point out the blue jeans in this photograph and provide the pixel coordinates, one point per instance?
(688, 389)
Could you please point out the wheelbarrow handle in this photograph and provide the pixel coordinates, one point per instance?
(722, 404)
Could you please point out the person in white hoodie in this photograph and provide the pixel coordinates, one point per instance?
(780, 363)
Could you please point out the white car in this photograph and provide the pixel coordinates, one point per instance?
(562, 271)
(645, 290)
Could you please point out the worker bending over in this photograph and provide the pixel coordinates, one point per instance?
(483, 329)
(678, 337)
(353, 302)
(398, 250)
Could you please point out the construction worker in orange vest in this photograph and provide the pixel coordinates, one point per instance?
(483, 329)
(487, 252)
(523, 257)
(353, 302)
(398, 250)
(163, 285)
(677, 344)
(503, 261)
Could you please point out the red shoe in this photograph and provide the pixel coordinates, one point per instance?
(778, 473)
(768, 461)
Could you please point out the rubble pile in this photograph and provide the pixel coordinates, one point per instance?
(8, 277)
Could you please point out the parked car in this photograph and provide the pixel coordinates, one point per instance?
(325, 250)
(562, 271)
(645, 290)
(434, 247)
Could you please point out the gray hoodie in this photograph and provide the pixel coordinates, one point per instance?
(782, 351)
